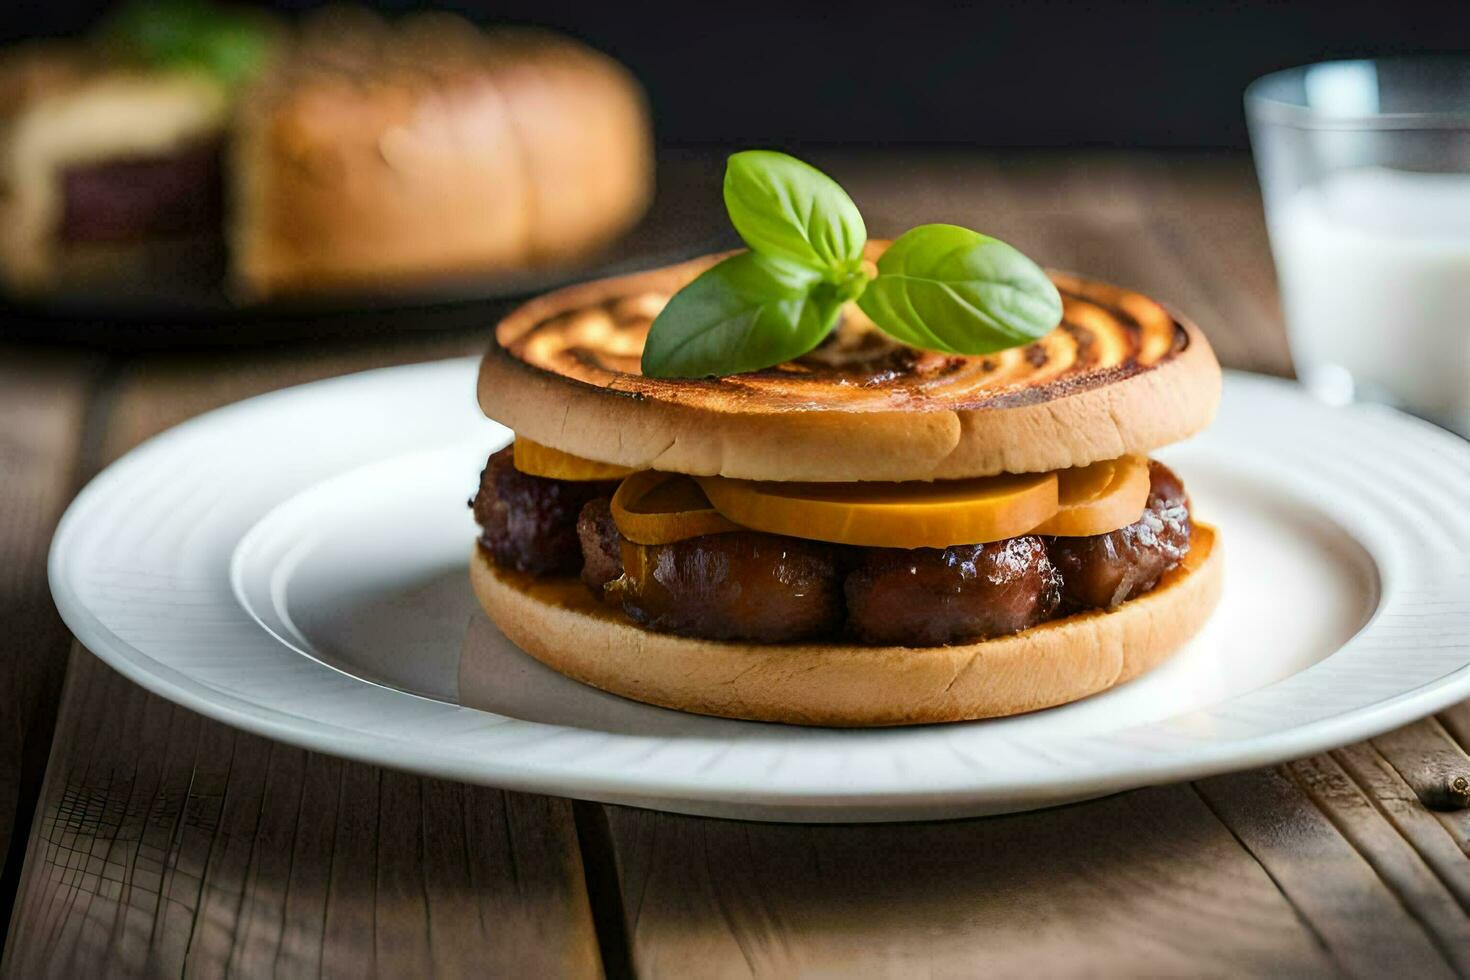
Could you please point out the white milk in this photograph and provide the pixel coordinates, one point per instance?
(1375, 278)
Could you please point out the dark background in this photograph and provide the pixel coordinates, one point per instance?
(1021, 73)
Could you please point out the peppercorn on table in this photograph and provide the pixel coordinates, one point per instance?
(146, 840)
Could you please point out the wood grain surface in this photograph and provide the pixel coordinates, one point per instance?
(43, 404)
(1149, 882)
(164, 844)
(167, 844)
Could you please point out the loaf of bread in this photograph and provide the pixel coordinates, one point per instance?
(375, 155)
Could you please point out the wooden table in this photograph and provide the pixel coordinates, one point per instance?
(144, 839)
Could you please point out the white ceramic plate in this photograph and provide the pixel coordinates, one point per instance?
(295, 565)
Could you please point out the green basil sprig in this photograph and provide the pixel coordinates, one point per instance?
(938, 287)
(229, 42)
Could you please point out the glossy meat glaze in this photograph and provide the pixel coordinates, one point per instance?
(767, 588)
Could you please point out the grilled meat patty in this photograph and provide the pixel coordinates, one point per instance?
(933, 596)
(529, 523)
(1105, 570)
(768, 588)
(602, 550)
(743, 585)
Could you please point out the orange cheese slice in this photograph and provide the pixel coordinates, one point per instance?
(1083, 483)
(534, 459)
(891, 515)
(1099, 498)
(661, 508)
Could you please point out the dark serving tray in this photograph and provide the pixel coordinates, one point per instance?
(182, 300)
(162, 310)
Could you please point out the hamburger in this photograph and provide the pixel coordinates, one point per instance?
(870, 533)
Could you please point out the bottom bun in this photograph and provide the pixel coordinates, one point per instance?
(844, 685)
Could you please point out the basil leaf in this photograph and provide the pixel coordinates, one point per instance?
(788, 209)
(946, 288)
(747, 313)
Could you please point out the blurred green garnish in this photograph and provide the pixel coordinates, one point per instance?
(230, 43)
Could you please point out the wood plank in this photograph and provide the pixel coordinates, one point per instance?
(1357, 818)
(309, 870)
(1433, 763)
(1436, 767)
(43, 400)
(1354, 912)
(168, 843)
(349, 943)
(225, 893)
(240, 790)
(453, 907)
(1439, 843)
(1456, 721)
(1146, 883)
(161, 799)
(264, 911)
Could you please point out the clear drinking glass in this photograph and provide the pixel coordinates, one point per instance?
(1365, 171)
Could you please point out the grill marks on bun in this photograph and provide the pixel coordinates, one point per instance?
(1122, 375)
(1106, 333)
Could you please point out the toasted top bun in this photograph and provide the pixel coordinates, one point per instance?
(1120, 375)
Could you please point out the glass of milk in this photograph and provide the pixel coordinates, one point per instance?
(1365, 171)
